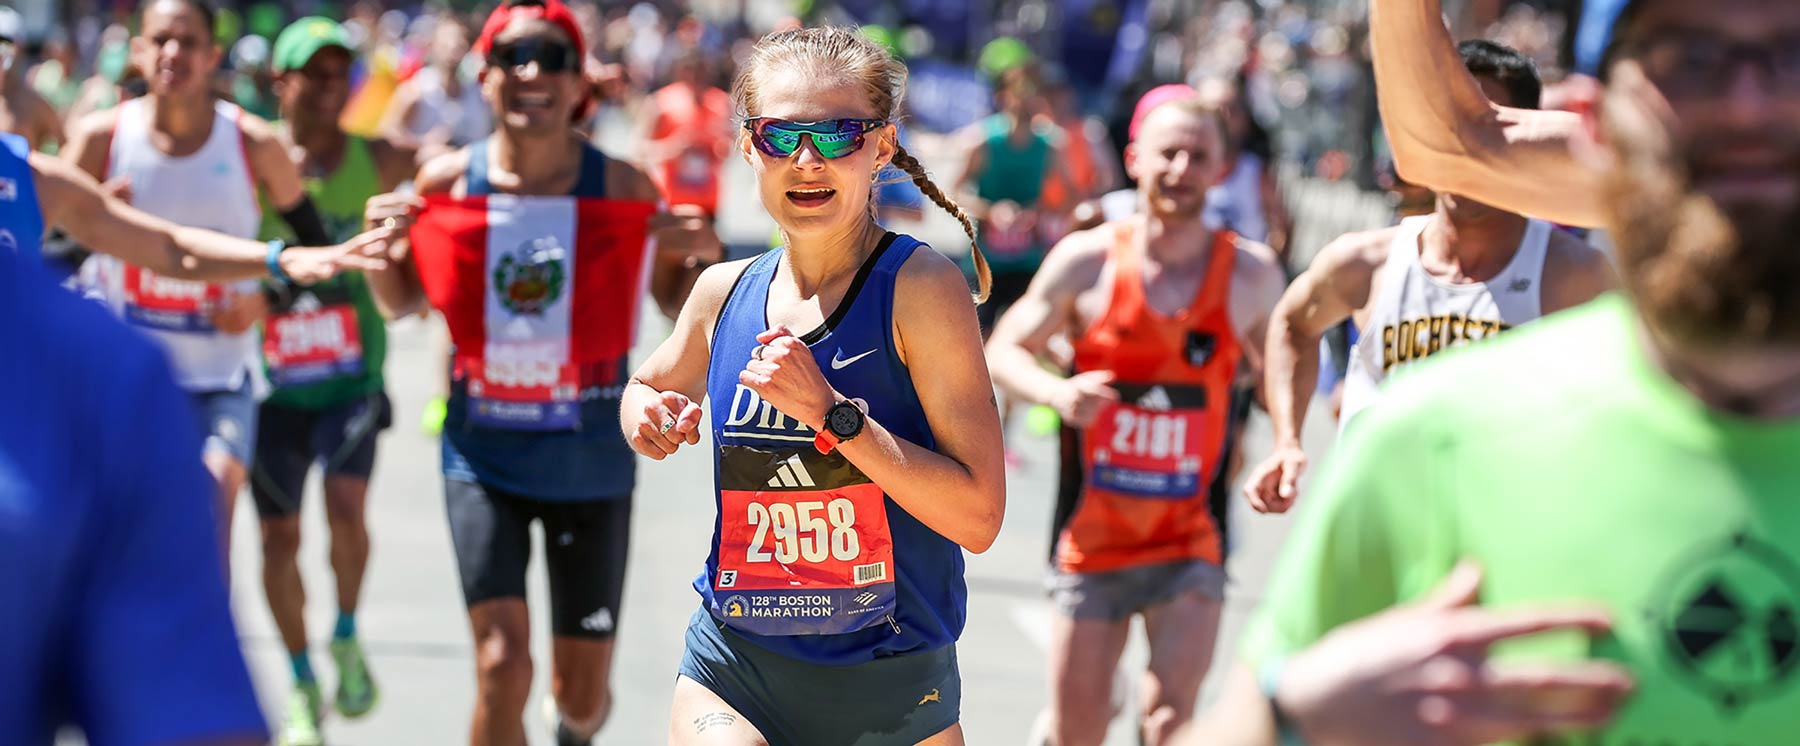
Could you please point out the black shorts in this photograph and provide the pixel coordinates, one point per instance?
(289, 441)
(900, 699)
(1007, 289)
(585, 545)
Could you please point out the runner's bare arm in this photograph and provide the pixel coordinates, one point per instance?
(1329, 291)
(73, 201)
(46, 126)
(1021, 337)
(674, 375)
(1448, 136)
(1574, 273)
(271, 163)
(89, 140)
(959, 489)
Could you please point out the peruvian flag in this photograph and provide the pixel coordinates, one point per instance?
(535, 290)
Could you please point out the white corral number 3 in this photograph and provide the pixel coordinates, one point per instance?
(800, 532)
(1147, 434)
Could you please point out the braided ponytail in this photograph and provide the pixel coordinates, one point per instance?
(984, 278)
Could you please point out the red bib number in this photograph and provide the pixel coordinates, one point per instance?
(165, 303)
(1149, 447)
(804, 546)
(304, 347)
(524, 395)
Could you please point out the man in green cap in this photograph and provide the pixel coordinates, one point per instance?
(323, 346)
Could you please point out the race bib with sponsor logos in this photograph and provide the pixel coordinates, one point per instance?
(1150, 444)
(308, 346)
(804, 546)
(168, 304)
(524, 394)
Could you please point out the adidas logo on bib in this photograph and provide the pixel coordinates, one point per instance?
(792, 474)
(1156, 399)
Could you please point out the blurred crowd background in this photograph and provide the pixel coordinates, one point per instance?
(1296, 73)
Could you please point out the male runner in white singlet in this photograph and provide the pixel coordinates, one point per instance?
(1465, 272)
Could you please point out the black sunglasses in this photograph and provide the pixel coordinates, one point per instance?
(551, 57)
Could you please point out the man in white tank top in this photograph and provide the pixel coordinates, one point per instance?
(181, 155)
(1465, 272)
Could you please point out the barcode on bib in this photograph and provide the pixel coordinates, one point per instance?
(871, 573)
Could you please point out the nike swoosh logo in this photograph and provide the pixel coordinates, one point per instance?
(838, 363)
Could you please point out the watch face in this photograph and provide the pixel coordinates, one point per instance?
(843, 420)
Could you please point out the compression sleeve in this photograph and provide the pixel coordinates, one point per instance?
(308, 227)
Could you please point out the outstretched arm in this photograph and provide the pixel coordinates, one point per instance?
(1448, 136)
(72, 201)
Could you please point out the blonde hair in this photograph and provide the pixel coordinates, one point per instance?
(847, 52)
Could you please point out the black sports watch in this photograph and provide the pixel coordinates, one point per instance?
(843, 421)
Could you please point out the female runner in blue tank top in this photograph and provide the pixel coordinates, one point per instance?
(857, 445)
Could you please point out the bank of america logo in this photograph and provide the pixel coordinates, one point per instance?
(791, 473)
(865, 598)
(1156, 399)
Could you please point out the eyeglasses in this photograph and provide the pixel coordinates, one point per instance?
(551, 57)
(833, 138)
(1697, 64)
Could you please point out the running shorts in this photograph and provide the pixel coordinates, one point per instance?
(898, 700)
(1118, 594)
(228, 418)
(586, 544)
(290, 440)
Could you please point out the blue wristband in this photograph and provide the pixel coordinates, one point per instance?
(274, 260)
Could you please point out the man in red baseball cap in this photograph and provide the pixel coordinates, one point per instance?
(570, 471)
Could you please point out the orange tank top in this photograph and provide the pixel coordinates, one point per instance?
(1139, 496)
(691, 177)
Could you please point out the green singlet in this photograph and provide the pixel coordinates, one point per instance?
(340, 198)
(1572, 471)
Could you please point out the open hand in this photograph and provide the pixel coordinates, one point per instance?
(1420, 674)
(365, 251)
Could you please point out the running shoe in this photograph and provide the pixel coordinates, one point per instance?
(357, 693)
(565, 736)
(302, 725)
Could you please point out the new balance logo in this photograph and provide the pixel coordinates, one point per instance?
(791, 473)
(599, 621)
(865, 598)
(1156, 399)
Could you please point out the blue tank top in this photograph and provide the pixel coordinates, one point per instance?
(855, 598)
(21, 219)
(590, 462)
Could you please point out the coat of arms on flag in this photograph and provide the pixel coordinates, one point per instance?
(531, 277)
